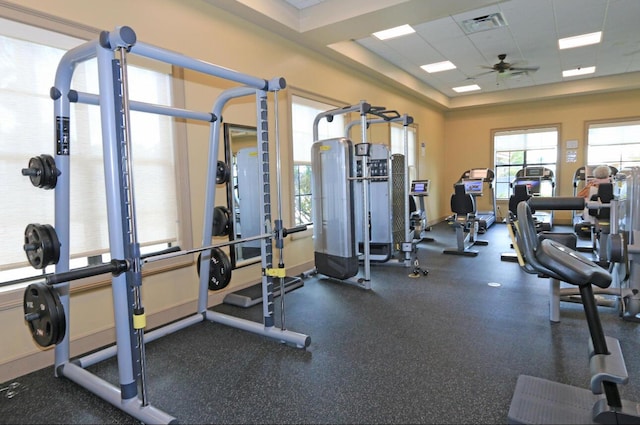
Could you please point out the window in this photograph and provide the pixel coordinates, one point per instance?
(397, 147)
(615, 144)
(303, 114)
(515, 149)
(29, 58)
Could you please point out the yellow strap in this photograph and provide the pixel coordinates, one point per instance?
(139, 321)
(278, 272)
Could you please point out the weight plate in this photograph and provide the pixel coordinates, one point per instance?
(41, 244)
(222, 173)
(44, 314)
(50, 175)
(219, 269)
(220, 221)
(42, 171)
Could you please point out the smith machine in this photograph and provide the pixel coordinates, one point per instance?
(46, 303)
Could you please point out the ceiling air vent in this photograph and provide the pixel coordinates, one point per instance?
(483, 23)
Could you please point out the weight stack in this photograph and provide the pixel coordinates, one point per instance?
(333, 221)
(398, 197)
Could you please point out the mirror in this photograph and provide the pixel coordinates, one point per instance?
(243, 197)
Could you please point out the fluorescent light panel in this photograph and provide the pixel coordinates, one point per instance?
(463, 89)
(438, 67)
(394, 32)
(580, 40)
(579, 71)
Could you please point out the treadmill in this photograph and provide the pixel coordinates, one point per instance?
(541, 182)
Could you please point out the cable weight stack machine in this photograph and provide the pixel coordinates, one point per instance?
(111, 50)
(340, 192)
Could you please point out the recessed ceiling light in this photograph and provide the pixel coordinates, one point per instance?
(579, 71)
(438, 67)
(580, 40)
(394, 32)
(463, 89)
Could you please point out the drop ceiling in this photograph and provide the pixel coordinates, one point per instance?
(527, 31)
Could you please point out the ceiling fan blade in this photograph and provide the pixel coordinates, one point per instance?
(524, 68)
(473, 77)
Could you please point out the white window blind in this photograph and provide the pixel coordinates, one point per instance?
(28, 60)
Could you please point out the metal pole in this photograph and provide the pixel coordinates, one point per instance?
(136, 268)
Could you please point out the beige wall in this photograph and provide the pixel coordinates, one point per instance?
(198, 30)
(468, 141)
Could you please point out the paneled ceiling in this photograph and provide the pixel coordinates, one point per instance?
(526, 31)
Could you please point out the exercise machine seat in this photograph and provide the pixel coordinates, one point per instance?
(604, 195)
(520, 193)
(462, 203)
(554, 259)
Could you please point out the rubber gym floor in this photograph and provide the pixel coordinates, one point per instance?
(443, 348)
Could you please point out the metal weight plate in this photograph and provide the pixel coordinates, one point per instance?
(219, 269)
(220, 221)
(222, 173)
(42, 171)
(41, 245)
(50, 177)
(44, 314)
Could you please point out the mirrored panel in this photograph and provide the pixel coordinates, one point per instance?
(243, 196)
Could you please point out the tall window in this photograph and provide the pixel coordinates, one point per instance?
(29, 57)
(303, 114)
(516, 149)
(397, 147)
(616, 144)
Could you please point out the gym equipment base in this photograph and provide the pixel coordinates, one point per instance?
(540, 401)
(252, 295)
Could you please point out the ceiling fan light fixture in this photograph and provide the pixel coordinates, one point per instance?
(578, 71)
(464, 89)
(438, 67)
(394, 32)
(580, 40)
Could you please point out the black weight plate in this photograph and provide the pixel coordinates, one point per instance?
(222, 173)
(42, 245)
(50, 174)
(220, 221)
(219, 269)
(47, 320)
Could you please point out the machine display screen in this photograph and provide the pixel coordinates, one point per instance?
(532, 184)
(420, 187)
(473, 187)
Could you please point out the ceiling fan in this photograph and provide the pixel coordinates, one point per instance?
(510, 69)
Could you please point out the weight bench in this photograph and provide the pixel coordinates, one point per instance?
(537, 401)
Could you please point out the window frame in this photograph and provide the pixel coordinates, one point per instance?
(610, 123)
(11, 296)
(297, 92)
(523, 130)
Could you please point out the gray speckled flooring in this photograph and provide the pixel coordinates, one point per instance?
(445, 348)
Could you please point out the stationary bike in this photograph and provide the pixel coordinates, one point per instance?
(465, 222)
